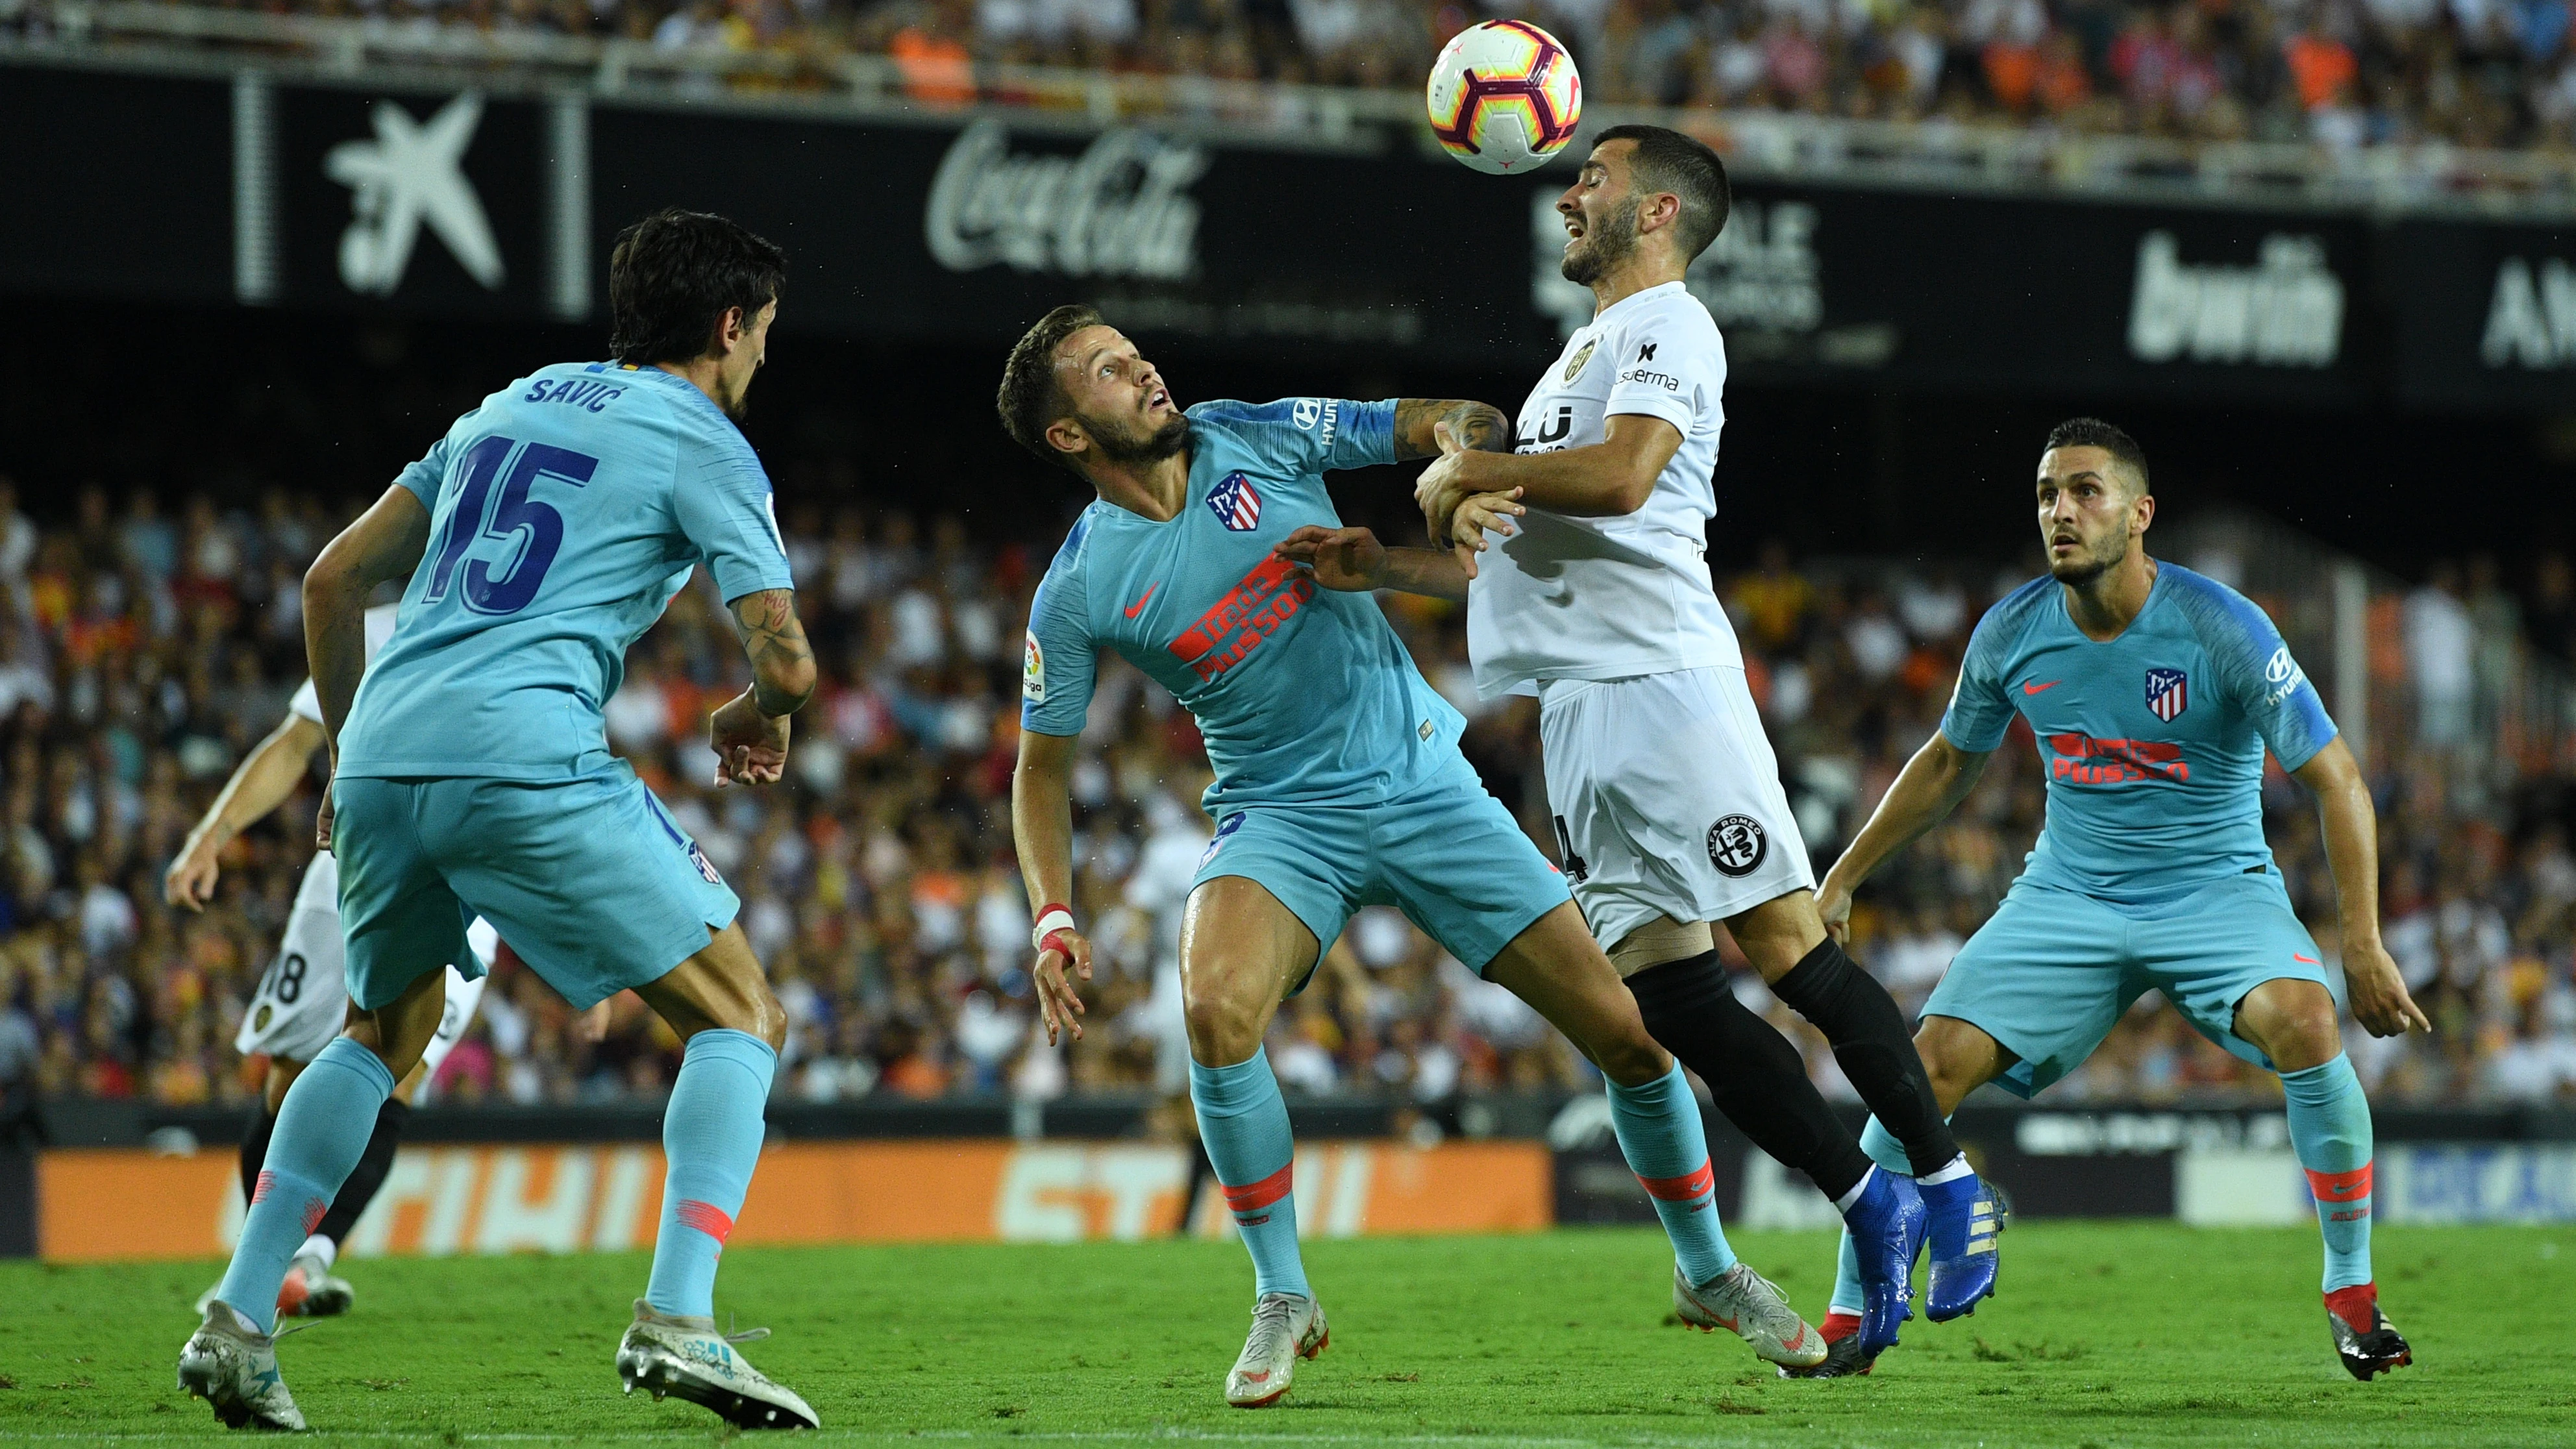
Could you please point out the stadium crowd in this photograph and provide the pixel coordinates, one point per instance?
(2341, 73)
(144, 649)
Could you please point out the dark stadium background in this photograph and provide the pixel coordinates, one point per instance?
(224, 402)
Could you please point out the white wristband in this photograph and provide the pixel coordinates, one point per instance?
(1058, 919)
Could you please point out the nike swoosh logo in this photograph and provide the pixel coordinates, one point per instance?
(1138, 607)
(2311, 960)
(2041, 688)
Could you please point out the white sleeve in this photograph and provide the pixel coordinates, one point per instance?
(1669, 364)
(307, 703)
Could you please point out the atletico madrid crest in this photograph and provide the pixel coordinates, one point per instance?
(1236, 503)
(2168, 693)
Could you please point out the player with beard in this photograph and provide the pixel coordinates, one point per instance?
(2152, 693)
(1338, 784)
(1594, 595)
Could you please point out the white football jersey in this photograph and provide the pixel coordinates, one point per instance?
(1609, 598)
(307, 703)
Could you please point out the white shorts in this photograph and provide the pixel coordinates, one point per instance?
(1667, 799)
(303, 1001)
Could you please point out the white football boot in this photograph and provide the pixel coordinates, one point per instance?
(235, 1369)
(1752, 1308)
(688, 1357)
(310, 1290)
(1285, 1328)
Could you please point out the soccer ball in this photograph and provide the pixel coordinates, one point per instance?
(1504, 97)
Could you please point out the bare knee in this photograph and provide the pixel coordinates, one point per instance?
(1632, 1060)
(768, 1019)
(1777, 934)
(2293, 1022)
(1957, 1057)
(1225, 1026)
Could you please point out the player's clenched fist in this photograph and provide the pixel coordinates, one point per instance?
(1067, 954)
(751, 747)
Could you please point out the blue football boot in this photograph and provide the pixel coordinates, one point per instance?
(1968, 1214)
(1886, 1227)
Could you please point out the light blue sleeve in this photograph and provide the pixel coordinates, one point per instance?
(2257, 671)
(1980, 710)
(722, 499)
(1312, 434)
(1061, 657)
(425, 477)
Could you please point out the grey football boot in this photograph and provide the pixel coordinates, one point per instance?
(234, 1369)
(663, 1354)
(1285, 1328)
(1752, 1308)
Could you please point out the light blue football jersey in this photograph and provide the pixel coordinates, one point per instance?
(564, 514)
(2153, 742)
(1303, 696)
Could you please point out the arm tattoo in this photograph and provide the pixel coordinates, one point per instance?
(775, 642)
(1480, 426)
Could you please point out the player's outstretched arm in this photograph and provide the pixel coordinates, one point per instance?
(1929, 787)
(749, 732)
(1609, 479)
(1475, 425)
(261, 783)
(1352, 561)
(1042, 834)
(383, 545)
(2377, 989)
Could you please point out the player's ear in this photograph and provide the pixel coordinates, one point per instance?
(2146, 514)
(731, 329)
(1066, 436)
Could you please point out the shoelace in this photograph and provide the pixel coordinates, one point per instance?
(748, 1335)
(1269, 1323)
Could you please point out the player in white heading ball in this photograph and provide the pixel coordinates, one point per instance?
(1581, 557)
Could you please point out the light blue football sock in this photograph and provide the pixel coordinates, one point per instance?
(2330, 1130)
(1244, 1122)
(1888, 1153)
(1666, 1144)
(711, 1134)
(322, 1130)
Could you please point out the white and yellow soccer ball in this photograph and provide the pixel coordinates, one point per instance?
(1504, 97)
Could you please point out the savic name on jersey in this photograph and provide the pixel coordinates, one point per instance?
(1610, 598)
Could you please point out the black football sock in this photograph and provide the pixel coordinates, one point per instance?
(254, 1145)
(1755, 1076)
(1869, 1038)
(363, 1180)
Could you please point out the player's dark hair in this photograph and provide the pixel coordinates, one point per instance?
(1031, 398)
(2095, 433)
(674, 275)
(1667, 160)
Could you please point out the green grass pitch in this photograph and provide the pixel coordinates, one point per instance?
(2106, 1335)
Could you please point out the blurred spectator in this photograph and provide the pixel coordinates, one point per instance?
(878, 880)
(2440, 638)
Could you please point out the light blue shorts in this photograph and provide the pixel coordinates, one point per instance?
(588, 880)
(2052, 971)
(1447, 854)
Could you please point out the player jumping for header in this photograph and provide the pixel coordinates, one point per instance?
(543, 536)
(1338, 784)
(2152, 692)
(1596, 598)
